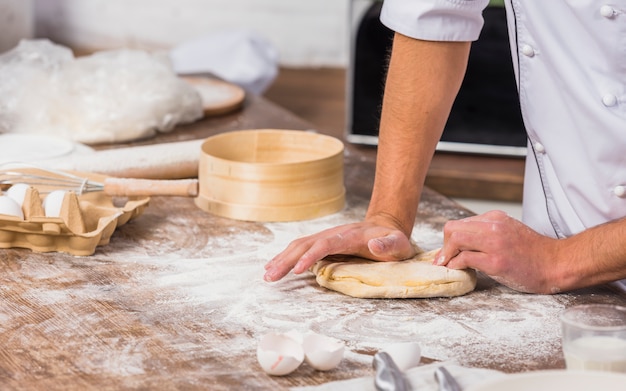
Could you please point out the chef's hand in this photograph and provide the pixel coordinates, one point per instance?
(365, 239)
(501, 247)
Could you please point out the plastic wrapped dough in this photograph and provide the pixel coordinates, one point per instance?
(109, 96)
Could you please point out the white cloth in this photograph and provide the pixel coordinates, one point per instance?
(570, 64)
(242, 57)
(421, 378)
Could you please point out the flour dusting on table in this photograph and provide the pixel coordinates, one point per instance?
(502, 324)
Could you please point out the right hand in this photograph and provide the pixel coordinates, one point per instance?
(364, 239)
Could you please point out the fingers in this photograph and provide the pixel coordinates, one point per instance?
(469, 259)
(319, 249)
(281, 264)
(475, 234)
(369, 241)
(391, 247)
(304, 252)
(457, 241)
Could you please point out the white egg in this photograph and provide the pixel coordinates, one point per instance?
(321, 352)
(406, 355)
(279, 354)
(53, 202)
(18, 192)
(9, 207)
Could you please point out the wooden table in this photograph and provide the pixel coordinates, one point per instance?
(176, 300)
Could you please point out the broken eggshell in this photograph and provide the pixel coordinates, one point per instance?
(406, 355)
(279, 353)
(321, 352)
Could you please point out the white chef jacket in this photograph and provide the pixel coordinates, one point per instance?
(569, 58)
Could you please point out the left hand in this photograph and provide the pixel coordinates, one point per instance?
(503, 248)
(375, 239)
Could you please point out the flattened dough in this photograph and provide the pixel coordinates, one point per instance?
(413, 278)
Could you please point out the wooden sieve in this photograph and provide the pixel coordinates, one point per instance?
(271, 175)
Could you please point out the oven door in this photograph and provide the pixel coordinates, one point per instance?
(485, 117)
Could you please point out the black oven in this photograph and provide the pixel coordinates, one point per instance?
(485, 117)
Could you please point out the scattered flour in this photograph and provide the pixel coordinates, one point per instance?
(492, 324)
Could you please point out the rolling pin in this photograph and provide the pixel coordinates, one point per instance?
(175, 160)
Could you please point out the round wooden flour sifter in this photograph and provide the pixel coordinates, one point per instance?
(271, 175)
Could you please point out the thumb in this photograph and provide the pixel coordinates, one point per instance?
(390, 248)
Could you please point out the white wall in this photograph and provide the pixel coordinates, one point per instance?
(305, 32)
(16, 22)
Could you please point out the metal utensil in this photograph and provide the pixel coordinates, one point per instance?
(388, 376)
(446, 381)
(46, 180)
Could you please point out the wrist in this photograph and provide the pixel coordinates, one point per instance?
(564, 273)
(389, 220)
(585, 260)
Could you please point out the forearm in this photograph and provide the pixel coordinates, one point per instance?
(422, 82)
(592, 257)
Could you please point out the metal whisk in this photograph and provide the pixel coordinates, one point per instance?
(47, 180)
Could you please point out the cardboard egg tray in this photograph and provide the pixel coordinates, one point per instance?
(85, 222)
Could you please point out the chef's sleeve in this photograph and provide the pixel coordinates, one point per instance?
(435, 20)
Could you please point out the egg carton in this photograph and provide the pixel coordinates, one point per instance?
(84, 222)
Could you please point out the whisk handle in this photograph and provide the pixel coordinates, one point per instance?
(125, 187)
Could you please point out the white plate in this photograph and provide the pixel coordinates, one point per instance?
(218, 96)
(29, 148)
(555, 380)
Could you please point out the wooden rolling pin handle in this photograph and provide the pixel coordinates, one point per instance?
(126, 187)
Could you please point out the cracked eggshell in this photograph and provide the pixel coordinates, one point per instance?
(9, 207)
(53, 202)
(322, 352)
(406, 355)
(279, 354)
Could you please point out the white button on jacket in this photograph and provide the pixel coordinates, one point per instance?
(607, 11)
(609, 100)
(569, 58)
(528, 51)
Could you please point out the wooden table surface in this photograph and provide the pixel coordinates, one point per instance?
(176, 300)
